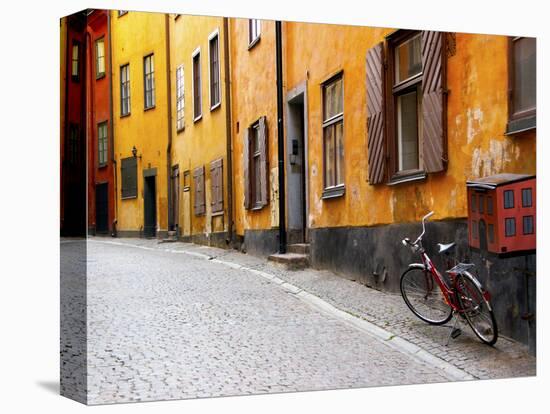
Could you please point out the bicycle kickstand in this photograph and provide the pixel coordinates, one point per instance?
(455, 332)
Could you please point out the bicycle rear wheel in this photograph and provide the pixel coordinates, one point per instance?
(424, 297)
(476, 308)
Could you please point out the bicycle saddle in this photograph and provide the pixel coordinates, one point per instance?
(445, 247)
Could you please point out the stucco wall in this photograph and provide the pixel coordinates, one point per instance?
(254, 94)
(477, 115)
(203, 141)
(136, 35)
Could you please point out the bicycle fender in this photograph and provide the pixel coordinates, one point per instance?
(416, 266)
(476, 282)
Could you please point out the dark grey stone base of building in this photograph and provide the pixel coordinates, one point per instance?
(374, 256)
(139, 234)
(261, 242)
(217, 239)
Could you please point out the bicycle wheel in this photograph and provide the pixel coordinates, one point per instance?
(424, 297)
(476, 309)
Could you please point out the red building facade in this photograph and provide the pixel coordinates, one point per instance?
(101, 183)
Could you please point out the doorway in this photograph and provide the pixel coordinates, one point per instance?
(174, 198)
(296, 167)
(101, 208)
(149, 206)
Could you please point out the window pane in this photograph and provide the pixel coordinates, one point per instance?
(509, 199)
(408, 59)
(481, 203)
(257, 184)
(510, 227)
(407, 130)
(100, 56)
(339, 132)
(333, 99)
(525, 63)
(491, 232)
(489, 205)
(527, 197)
(528, 227)
(329, 156)
(473, 203)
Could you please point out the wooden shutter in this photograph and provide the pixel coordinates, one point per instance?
(246, 169)
(376, 143)
(216, 181)
(199, 203)
(263, 162)
(433, 101)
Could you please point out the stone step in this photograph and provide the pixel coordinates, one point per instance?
(291, 261)
(300, 248)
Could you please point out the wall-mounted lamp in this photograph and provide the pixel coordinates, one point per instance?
(134, 152)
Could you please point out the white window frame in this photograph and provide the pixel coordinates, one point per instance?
(196, 52)
(182, 97)
(215, 33)
(122, 113)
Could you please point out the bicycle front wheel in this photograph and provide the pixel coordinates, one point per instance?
(424, 297)
(476, 309)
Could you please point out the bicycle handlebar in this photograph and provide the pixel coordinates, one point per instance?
(407, 241)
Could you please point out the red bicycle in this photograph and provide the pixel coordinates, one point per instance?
(436, 300)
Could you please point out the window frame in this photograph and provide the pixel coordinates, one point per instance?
(152, 74)
(393, 90)
(257, 24)
(520, 121)
(196, 52)
(98, 74)
(214, 35)
(180, 98)
(338, 189)
(75, 78)
(128, 95)
(255, 157)
(105, 150)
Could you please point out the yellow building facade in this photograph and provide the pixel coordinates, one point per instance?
(201, 202)
(141, 121)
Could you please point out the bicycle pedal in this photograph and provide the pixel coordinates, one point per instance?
(456, 333)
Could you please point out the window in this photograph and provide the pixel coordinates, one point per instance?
(199, 199)
(128, 172)
(528, 227)
(197, 95)
(481, 203)
(526, 197)
(510, 227)
(333, 137)
(490, 206)
(406, 107)
(254, 30)
(522, 84)
(102, 143)
(408, 97)
(149, 81)
(475, 229)
(179, 98)
(509, 199)
(216, 182)
(473, 203)
(100, 58)
(75, 69)
(214, 71)
(122, 12)
(125, 90)
(255, 165)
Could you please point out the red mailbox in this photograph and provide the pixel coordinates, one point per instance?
(501, 213)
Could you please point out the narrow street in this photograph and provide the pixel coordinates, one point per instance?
(173, 321)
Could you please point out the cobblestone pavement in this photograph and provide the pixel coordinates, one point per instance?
(506, 359)
(163, 325)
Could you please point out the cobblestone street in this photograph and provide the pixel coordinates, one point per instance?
(175, 320)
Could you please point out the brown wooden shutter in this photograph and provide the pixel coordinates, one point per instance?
(216, 180)
(246, 169)
(433, 101)
(199, 199)
(202, 199)
(263, 162)
(196, 191)
(376, 143)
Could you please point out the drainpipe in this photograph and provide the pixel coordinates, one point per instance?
(280, 138)
(229, 145)
(169, 109)
(112, 128)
